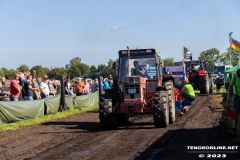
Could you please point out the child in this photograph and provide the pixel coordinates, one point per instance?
(70, 93)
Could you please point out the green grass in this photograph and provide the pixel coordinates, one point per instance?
(222, 90)
(47, 118)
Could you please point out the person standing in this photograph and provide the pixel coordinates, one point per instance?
(36, 93)
(106, 84)
(67, 85)
(110, 80)
(4, 91)
(219, 82)
(79, 87)
(87, 87)
(95, 86)
(229, 78)
(234, 90)
(44, 87)
(28, 89)
(15, 88)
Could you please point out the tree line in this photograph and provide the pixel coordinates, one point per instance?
(213, 57)
(76, 67)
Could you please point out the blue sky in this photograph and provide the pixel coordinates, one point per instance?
(51, 32)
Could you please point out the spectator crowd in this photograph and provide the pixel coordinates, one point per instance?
(27, 86)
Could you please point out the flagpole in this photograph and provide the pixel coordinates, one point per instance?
(183, 56)
(230, 39)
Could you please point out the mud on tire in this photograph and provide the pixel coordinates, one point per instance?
(107, 119)
(171, 101)
(204, 85)
(160, 109)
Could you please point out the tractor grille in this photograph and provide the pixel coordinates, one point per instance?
(130, 87)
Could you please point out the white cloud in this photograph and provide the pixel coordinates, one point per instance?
(115, 28)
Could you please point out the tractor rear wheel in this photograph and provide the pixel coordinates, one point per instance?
(107, 118)
(161, 109)
(171, 101)
(204, 86)
(211, 86)
(122, 118)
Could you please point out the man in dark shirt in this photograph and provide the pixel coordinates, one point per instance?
(168, 77)
(28, 89)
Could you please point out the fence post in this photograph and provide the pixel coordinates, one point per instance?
(100, 85)
(62, 103)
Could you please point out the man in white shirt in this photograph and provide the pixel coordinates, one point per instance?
(44, 87)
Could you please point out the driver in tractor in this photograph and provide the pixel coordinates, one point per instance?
(138, 70)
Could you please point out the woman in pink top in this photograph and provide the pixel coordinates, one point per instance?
(87, 87)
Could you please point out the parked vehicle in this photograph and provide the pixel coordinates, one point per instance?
(219, 69)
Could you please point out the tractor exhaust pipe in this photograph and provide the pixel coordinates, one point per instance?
(129, 69)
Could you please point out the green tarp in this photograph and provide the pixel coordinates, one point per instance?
(11, 112)
(69, 102)
(53, 104)
(232, 70)
(81, 102)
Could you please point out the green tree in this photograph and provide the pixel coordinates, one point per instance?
(110, 69)
(40, 70)
(85, 70)
(230, 57)
(169, 61)
(93, 69)
(2, 74)
(76, 68)
(23, 68)
(211, 57)
(102, 70)
(57, 73)
(9, 73)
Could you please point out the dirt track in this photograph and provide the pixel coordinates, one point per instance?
(80, 137)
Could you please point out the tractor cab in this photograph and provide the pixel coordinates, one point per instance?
(143, 65)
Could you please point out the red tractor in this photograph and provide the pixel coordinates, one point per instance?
(198, 76)
(137, 89)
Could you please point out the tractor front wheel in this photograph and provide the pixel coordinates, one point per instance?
(161, 109)
(107, 118)
(171, 101)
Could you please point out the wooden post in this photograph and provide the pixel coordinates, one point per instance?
(62, 102)
(100, 86)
